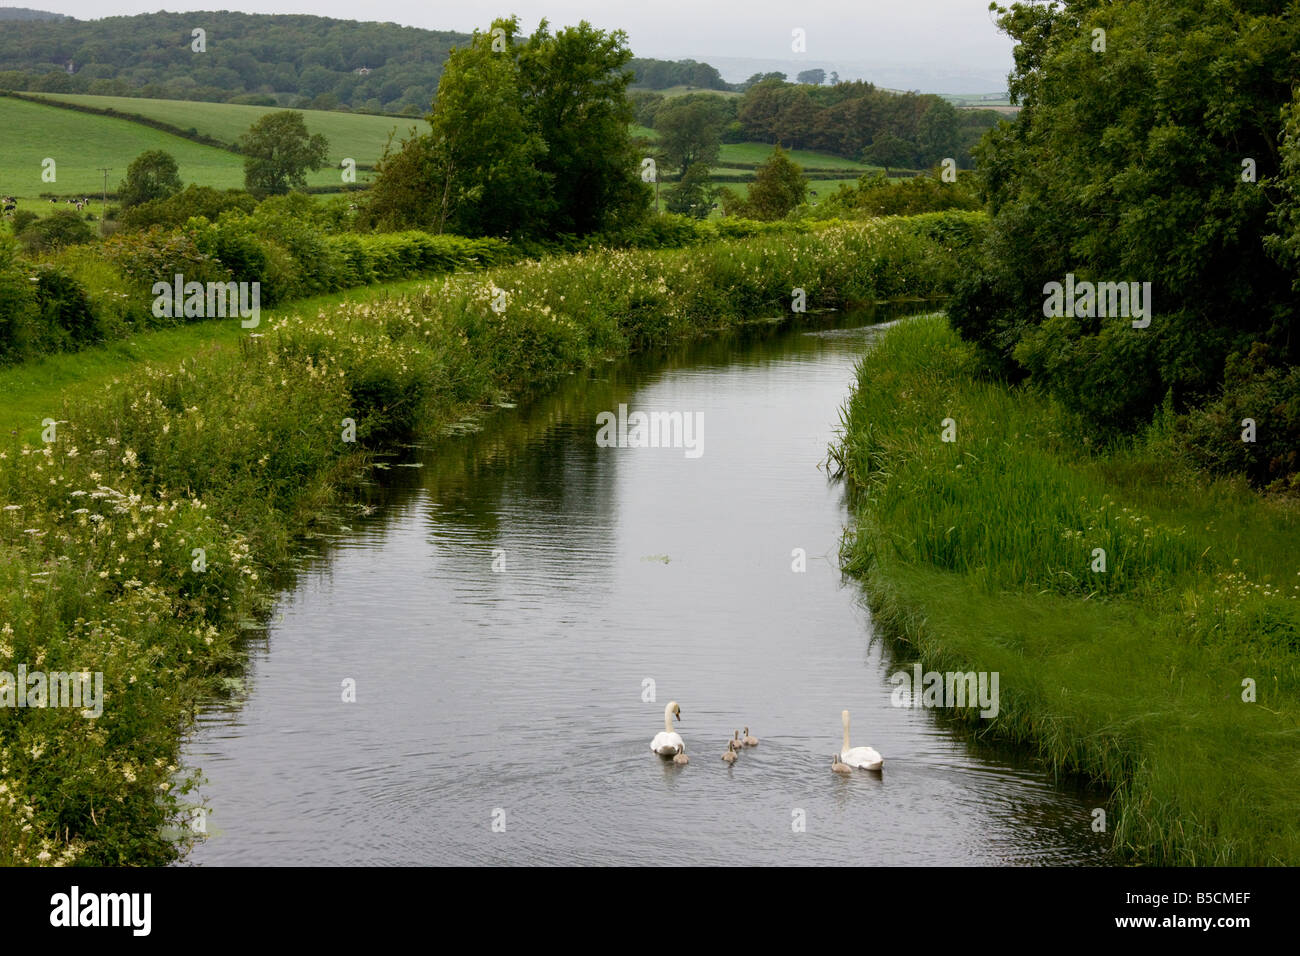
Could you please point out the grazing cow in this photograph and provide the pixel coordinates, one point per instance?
(10, 204)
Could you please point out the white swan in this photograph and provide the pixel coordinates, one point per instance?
(668, 743)
(864, 758)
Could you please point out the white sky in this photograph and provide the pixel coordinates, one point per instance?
(946, 34)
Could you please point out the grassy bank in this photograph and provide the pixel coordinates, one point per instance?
(34, 390)
(979, 554)
(134, 543)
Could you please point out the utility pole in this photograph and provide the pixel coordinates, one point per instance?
(103, 211)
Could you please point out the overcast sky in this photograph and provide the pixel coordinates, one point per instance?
(954, 35)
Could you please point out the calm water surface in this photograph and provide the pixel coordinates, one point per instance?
(517, 695)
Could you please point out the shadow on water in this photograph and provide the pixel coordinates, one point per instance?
(516, 605)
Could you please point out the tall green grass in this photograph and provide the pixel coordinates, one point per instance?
(979, 554)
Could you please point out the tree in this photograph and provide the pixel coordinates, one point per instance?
(487, 154)
(692, 195)
(151, 175)
(575, 94)
(939, 134)
(278, 152)
(410, 187)
(812, 77)
(889, 150)
(690, 130)
(527, 137)
(779, 186)
(1126, 166)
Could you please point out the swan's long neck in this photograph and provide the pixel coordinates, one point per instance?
(846, 734)
(668, 719)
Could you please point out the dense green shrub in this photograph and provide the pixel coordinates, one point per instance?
(21, 220)
(56, 231)
(157, 255)
(18, 309)
(114, 300)
(65, 308)
(191, 201)
(876, 195)
(1257, 389)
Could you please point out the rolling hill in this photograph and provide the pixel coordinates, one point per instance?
(356, 135)
(81, 143)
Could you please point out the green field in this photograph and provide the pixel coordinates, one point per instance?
(81, 143)
(818, 189)
(356, 135)
(751, 153)
(672, 91)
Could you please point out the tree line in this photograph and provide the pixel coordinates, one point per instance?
(855, 120)
(305, 62)
(1128, 165)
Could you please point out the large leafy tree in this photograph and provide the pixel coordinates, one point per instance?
(1149, 153)
(490, 179)
(408, 189)
(278, 152)
(152, 175)
(574, 84)
(529, 137)
(690, 130)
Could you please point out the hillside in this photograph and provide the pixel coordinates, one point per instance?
(25, 14)
(373, 66)
(257, 59)
(80, 144)
(358, 135)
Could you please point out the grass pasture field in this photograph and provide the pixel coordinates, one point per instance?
(682, 90)
(754, 153)
(81, 143)
(360, 136)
